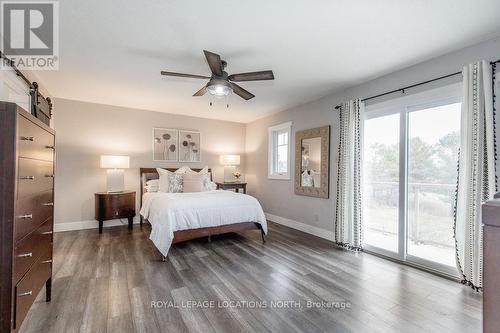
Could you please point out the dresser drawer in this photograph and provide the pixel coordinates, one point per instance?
(34, 176)
(30, 249)
(115, 205)
(32, 211)
(34, 141)
(28, 288)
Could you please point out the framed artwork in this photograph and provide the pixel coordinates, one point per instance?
(165, 144)
(189, 146)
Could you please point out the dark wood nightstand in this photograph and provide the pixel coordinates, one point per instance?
(232, 185)
(114, 205)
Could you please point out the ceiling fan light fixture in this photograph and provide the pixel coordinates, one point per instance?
(219, 88)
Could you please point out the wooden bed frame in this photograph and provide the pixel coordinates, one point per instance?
(185, 235)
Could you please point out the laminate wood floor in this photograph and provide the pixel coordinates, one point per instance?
(116, 282)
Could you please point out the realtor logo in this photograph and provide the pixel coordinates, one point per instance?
(30, 33)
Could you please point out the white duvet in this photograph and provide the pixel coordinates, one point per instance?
(169, 212)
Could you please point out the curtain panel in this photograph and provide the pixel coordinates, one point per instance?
(348, 210)
(476, 170)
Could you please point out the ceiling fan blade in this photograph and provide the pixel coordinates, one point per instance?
(252, 76)
(214, 62)
(192, 76)
(201, 92)
(241, 92)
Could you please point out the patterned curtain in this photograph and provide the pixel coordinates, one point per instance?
(476, 170)
(348, 212)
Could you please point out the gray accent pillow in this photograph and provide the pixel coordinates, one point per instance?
(175, 181)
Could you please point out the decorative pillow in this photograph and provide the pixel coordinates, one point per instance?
(183, 169)
(163, 182)
(208, 185)
(175, 181)
(203, 171)
(193, 183)
(152, 185)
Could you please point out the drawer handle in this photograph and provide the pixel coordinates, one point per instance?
(49, 176)
(47, 233)
(28, 178)
(28, 138)
(50, 147)
(47, 261)
(48, 204)
(27, 216)
(25, 255)
(28, 293)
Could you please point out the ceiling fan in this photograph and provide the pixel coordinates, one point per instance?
(221, 84)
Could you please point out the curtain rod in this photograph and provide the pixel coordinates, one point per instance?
(414, 85)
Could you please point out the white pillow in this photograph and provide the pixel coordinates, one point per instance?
(152, 185)
(163, 182)
(203, 171)
(193, 182)
(208, 185)
(183, 169)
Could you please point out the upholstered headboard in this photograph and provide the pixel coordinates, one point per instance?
(151, 173)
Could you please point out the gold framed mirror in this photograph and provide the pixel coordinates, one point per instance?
(312, 162)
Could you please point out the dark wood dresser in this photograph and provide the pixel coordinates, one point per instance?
(27, 149)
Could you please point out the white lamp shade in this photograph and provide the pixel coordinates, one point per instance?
(115, 162)
(230, 159)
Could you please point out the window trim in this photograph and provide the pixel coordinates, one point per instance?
(271, 151)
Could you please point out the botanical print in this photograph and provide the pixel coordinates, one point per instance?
(189, 146)
(165, 144)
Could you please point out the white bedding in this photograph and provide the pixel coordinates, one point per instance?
(169, 212)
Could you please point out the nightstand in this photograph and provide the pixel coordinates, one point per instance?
(114, 205)
(232, 185)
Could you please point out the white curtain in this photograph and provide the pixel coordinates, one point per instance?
(348, 212)
(476, 170)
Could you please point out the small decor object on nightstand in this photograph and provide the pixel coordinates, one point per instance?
(115, 166)
(237, 175)
(232, 186)
(117, 205)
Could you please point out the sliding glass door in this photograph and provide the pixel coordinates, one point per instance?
(434, 141)
(381, 182)
(410, 149)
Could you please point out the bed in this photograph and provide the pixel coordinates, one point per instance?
(179, 217)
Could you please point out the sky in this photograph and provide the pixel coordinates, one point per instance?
(428, 124)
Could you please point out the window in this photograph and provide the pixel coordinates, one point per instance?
(410, 155)
(279, 151)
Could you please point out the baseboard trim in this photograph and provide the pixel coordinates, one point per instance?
(308, 229)
(90, 224)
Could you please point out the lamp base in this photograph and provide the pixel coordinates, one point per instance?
(228, 174)
(115, 180)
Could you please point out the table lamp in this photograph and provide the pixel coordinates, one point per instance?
(230, 162)
(115, 174)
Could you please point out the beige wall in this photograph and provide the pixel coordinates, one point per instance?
(85, 131)
(277, 196)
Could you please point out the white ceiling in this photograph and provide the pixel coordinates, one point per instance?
(112, 51)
